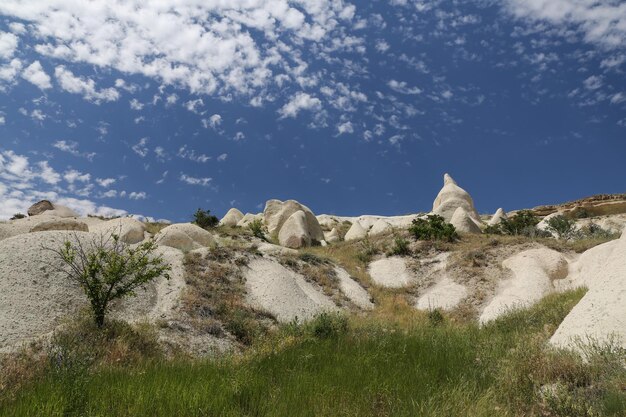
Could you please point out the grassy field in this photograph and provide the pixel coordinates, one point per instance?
(428, 365)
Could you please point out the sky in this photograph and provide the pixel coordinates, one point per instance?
(158, 108)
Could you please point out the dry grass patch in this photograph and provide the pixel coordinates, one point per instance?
(215, 295)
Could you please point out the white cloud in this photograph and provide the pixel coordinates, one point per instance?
(222, 157)
(35, 74)
(83, 86)
(47, 174)
(71, 147)
(140, 148)
(382, 46)
(345, 127)
(22, 184)
(105, 182)
(402, 88)
(136, 104)
(301, 101)
(8, 45)
(213, 122)
(618, 98)
(137, 196)
(185, 153)
(194, 105)
(602, 22)
(205, 182)
(73, 176)
(593, 83)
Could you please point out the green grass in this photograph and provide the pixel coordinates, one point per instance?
(357, 367)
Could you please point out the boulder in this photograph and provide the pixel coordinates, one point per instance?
(294, 234)
(277, 212)
(184, 236)
(463, 223)
(452, 197)
(232, 217)
(355, 232)
(497, 217)
(380, 227)
(332, 236)
(60, 224)
(249, 218)
(129, 230)
(40, 207)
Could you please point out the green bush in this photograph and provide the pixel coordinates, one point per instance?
(400, 247)
(524, 223)
(17, 216)
(257, 229)
(326, 325)
(564, 227)
(594, 231)
(108, 269)
(434, 227)
(494, 229)
(205, 219)
(367, 251)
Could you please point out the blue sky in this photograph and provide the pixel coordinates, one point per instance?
(158, 108)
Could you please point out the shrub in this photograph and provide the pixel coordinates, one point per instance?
(564, 227)
(107, 269)
(368, 250)
(523, 223)
(594, 231)
(17, 216)
(327, 325)
(205, 219)
(434, 227)
(494, 229)
(257, 229)
(400, 247)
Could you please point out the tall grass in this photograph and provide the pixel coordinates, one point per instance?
(369, 367)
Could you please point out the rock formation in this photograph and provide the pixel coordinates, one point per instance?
(380, 227)
(355, 232)
(294, 232)
(497, 217)
(463, 223)
(184, 236)
(332, 236)
(60, 224)
(277, 212)
(249, 218)
(40, 207)
(232, 217)
(452, 197)
(129, 230)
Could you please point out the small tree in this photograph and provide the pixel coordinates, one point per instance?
(205, 219)
(523, 223)
(256, 227)
(108, 269)
(564, 227)
(434, 227)
(17, 216)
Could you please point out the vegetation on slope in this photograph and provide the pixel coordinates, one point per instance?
(424, 364)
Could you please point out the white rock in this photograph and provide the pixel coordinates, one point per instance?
(351, 289)
(184, 236)
(284, 293)
(533, 271)
(391, 272)
(277, 212)
(601, 314)
(332, 236)
(445, 295)
(60, 224)
(380, 227)
(293, 233)
(452, 197)
(355, 232)
(249, 218)
(497, 217)
(463, 223)
(232, 217)
(129, 230)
